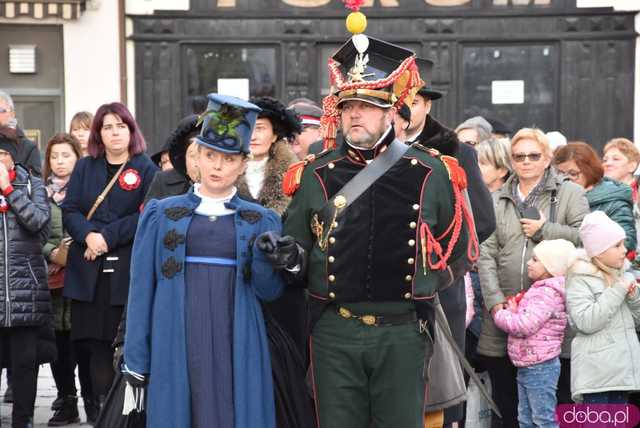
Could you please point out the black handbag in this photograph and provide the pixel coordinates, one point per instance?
(111, 414)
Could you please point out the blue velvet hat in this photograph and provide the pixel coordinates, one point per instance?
(227, 124)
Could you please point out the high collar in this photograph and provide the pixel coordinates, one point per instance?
(213, 206)
(437, 136)
(362, 155)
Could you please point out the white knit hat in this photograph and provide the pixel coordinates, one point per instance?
(599, 233)
(556, 255)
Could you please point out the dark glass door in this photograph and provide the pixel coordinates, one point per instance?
(517, 84)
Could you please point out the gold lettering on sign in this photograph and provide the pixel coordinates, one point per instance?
(383, 3)
(306, 3)
(447, 2)
(226, 3)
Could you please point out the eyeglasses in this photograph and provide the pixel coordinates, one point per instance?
(471, 143)
(521, 157)
(573, 174)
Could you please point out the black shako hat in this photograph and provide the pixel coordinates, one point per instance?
(426, 73)
(366, 65)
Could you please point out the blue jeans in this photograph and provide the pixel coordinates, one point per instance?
(537, 386)
(608, 397)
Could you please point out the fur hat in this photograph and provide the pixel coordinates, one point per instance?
(556, 255)
(179, 141)
(285, 122)
(599, 233)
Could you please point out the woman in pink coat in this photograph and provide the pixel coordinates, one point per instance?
(535, 323)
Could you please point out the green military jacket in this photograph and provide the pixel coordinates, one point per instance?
(373, 251)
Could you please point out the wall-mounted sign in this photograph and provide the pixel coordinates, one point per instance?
(238, 88)
(507, 92)
(22, 59)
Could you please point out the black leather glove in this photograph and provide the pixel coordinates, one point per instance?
(281, 251)
(135, 380)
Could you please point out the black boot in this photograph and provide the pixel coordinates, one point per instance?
(57, 403)
(66, 415)
(91, 408)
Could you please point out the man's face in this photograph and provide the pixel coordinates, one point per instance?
(309, 135)
(420, 108)
(6, 113)
(363, 123)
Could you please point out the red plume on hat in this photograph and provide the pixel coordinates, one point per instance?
(354, 5)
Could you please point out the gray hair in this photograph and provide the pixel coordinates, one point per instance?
(7, 99)
(478, 124)
(496, 152)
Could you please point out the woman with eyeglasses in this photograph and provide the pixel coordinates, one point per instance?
(534, 204)
(582, 165)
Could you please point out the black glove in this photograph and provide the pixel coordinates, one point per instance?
(134, 379)
(282, 252)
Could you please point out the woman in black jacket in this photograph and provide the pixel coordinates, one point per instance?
(97, 272)
(24, 218)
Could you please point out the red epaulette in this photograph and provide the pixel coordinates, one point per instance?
(293, 176)
(457, 174)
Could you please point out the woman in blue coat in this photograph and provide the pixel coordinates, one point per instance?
(195, 328)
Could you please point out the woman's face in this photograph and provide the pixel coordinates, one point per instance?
(82, 135)
(191, 160)
(492, 176)
(528, 160)
(570, 169)
(218, 171)
(262, 139)
(614, 256)
(618, 166)
(62, 159)
(115, 134)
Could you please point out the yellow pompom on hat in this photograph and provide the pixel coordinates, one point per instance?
(367, 69)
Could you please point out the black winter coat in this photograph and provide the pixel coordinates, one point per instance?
(28, 154)
(24, 274)
(167, 183)
(443, 139)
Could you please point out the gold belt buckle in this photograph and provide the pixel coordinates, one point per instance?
(369, 320)
(345, 313)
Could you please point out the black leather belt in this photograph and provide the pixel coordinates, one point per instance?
(385, 320)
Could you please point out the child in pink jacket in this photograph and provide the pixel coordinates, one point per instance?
(535, 327)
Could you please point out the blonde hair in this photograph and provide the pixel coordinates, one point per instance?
(626, 147)
(82, 119)
(496, 152)
(609, 278)
(536, 135)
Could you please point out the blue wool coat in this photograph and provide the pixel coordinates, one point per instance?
(155, 341)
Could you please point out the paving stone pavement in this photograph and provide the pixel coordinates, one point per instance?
(46, 394)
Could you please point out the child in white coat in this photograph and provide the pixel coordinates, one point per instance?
(604, 306)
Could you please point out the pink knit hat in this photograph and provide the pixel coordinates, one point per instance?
(599, 233)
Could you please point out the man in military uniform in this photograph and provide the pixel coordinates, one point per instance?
(373, 253)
